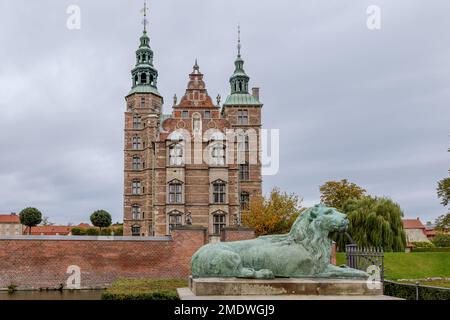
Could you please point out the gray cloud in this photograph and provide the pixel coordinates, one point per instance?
(370, 106)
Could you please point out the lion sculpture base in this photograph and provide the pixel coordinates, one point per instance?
(302, 253)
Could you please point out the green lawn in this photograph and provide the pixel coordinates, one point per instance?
(144, 289)
(416, 265)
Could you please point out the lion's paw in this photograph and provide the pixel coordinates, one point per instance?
(264, 274)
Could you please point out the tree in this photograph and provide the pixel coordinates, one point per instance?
(441, 240)
(30, 217)
(336, 193)
(101, 219)
(442, 223)
(46, 221)
(273, 215)
(374, 222)
(443, 190)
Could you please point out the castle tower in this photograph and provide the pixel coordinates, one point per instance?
(243, 111)
(142, 118)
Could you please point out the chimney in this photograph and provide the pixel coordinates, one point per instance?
(255, 93)
(13, 213)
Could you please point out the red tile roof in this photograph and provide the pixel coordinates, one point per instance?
(412, 224)
(49, 230)
(9, 218)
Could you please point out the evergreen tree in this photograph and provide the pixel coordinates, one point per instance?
(374, 222)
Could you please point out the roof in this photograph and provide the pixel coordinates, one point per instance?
(412, 224)
(49, 230)
(242, 99)
(144, 89)
(9, 218)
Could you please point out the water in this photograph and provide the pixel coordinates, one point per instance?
(52, 295)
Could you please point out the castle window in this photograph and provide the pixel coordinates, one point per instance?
(135, 231)
(242, 117)
(207, 114)
(185, 114)
(136, 212)
(136, 143)
(143, 78)
(176, 155)
(136, 79)
(152, 80)
(136, 121)
(219, 192)
(143, 102)
(218, 155)
(245, 201)
(174, 220)
(219, 222)
(175, 193)
(243, 172)
(136, 187)
(136, 163)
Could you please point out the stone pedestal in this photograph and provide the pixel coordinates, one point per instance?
(285, 289)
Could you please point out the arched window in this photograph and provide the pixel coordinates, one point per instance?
(135, 231)
(176, 155)
(175, 220)
(219, 192)
(152, 79)
(218, 154)
(196, 123)
(136, 79)
(175, 192)
(219, 222)
(136, 212)
(136, 163)
(143, 78)
(136, 187)
(136, 143)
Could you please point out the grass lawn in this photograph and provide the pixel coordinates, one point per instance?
(415, 265)
(144, 289)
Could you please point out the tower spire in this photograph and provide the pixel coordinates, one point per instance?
(145, 20)
(239, 40)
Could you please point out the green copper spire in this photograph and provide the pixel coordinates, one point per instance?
(144, 74)
(239, 80)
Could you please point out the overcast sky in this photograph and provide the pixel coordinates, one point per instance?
(368, 105)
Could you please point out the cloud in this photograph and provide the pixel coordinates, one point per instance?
(370, 106)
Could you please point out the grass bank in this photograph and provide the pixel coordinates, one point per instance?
(415, 265)
(144, 289)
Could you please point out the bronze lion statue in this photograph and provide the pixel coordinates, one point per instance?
(304, 252)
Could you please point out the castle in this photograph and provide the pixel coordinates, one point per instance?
(199, 165)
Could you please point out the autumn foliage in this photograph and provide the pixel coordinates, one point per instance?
(272, 215)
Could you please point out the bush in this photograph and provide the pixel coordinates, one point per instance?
(422, 244)
(118, 231)
(408, 291)
(106, 232)
(78, 231)
(441, 240)
(434, 249)
(136, 289)
(92, 232)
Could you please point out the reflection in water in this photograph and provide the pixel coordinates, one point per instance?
(52, 295)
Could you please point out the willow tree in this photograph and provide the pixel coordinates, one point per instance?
(374, 222)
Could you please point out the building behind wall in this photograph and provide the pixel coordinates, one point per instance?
(200, 163)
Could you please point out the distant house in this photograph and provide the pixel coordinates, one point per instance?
(415, 230)
(55, 230)
(10, 225)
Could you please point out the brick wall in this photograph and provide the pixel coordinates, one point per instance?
(236, 234)
(42, 262)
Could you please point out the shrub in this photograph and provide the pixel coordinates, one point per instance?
(106, 232)
(434, 249)
(118, 231)
(422, 244)
(78, 231)
(408, 291)
(101, 219)
(136, 289)
(92, 232)
(441, 240)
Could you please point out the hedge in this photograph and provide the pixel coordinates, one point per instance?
(436, 249)
(408, 291)
(144, 289)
